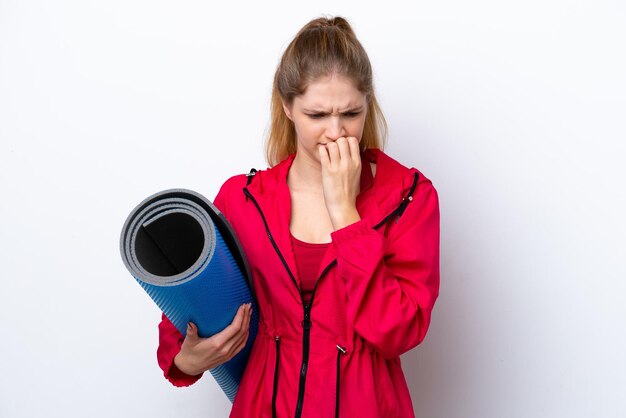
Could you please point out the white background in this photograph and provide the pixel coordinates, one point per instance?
(515, 110)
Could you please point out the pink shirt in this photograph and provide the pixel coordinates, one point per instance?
(308, 258)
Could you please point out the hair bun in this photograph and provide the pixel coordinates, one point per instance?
(337, 22)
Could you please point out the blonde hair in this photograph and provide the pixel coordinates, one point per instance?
(323, 47)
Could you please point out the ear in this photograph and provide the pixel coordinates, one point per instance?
(287, 110)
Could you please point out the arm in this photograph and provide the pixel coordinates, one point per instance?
(193, 354)
(170, 341)
(392, 283)
(185, 359)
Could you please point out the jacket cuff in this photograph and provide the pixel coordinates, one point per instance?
(354, 230)
(178, 378)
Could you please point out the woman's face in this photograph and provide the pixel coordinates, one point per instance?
(330, 108)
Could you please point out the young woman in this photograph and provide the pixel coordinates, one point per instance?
(343, 245)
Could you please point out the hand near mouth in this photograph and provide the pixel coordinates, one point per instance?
(341, 175)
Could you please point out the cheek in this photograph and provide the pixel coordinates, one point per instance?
(300, 125)
(307, 129)
(357, 127)
(312, 128)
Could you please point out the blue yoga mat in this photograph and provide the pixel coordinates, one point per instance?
(183, 252)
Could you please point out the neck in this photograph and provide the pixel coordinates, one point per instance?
(305, 173)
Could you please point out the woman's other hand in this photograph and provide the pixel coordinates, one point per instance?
(341, 179)
(198, 355)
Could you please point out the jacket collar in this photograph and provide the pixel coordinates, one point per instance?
(271, 192)
(388, 171)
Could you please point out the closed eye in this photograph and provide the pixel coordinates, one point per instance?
(321, 115)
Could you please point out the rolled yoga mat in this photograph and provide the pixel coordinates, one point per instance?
(181, 249)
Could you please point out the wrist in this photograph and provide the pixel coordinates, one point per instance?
(185, 364)
(344, 217)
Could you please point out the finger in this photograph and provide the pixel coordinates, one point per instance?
(355, 153)
(223, 340)
(240, 342)
(242, 334)
(333, 152)
(240, 346)
(192, 332)
(230, 347)
(246, 326)
(344, 149)
(234, 327)
(324, 159)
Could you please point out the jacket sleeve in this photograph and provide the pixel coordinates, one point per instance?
(170, 339)
(392, 282)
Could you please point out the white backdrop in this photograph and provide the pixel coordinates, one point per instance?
(515, 110)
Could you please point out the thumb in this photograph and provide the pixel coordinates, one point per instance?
(192, 331)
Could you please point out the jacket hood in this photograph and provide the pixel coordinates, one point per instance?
(380, 195)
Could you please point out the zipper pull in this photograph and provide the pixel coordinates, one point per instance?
(403, 205)
(250, 174)
(341, 349)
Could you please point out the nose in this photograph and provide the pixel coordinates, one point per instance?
(335, 128)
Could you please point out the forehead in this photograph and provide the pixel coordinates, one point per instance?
(330, 93)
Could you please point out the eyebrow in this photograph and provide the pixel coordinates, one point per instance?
(351, 109)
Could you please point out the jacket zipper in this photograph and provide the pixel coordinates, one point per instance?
(306, 321)
(340, 351)
(306, 341)
(275, 391)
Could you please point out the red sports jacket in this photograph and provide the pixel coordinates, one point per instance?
(378, 282)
